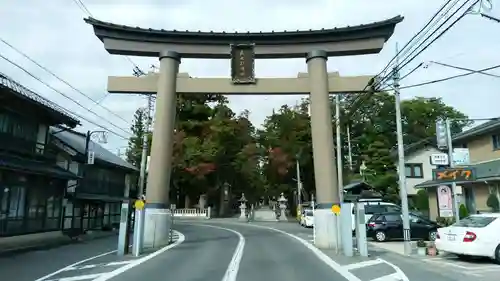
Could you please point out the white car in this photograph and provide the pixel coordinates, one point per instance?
(307, 218)
(473, 236)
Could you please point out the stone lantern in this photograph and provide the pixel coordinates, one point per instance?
(243, 207)
(282, 205)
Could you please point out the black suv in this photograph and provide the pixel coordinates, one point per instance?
(384, 226)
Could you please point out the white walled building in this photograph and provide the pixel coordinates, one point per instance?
(418, 168)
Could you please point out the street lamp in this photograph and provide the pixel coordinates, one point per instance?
(103, 139)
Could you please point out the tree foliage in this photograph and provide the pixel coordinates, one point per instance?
(215, 147)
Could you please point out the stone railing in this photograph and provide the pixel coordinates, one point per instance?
(192, 213)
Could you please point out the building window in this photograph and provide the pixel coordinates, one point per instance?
(463, 145)
(496, 142)
(414, 171)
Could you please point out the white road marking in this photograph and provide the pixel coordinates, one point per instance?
(322, 256)
(78, 278)
(137, 262)
(402, 275)
(103, 276)
(390, 277)
(90, 266)
(325, 258)
(357, 265)
(115, 263)
(463, 266)
(234, 264)
(73, 265)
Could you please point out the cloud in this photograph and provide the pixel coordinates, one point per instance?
(54, 34)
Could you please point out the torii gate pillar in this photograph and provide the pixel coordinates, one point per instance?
(157, 226)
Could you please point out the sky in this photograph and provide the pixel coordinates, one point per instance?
(54, 34)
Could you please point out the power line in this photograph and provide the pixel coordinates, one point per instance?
(432, 22)
(442, 33)
(466, 69)
(98, 103)
(85, 10)
(68, 97)
(406, 61)
(447, 78)
(361, 99)
(82, 7)
(429, 23)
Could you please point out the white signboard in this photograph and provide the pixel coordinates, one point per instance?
(439, 159)
(445, 202)
(90, 158)
(461, 156)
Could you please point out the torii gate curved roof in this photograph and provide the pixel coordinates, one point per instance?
(350, 40)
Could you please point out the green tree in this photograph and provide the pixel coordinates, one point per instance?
(138, 128)
(462, 211)
(493, 203)
(381, 172)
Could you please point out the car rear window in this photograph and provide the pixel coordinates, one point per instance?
(309, 213)
(475, 221)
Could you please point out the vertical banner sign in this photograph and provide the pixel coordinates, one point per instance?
(243, 64)
(441, 134)
(445, 201)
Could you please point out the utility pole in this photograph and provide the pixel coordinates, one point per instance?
(349, 147)
(450, 159)
(299, 182)
(401, 160)
(340, 168)
(145, 146)
(340, 164)
(145, 139)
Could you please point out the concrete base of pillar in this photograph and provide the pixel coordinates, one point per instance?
(157, 226)
(325, 226)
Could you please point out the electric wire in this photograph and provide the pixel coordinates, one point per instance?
(448, 78)
(98, 103)
(68, 97)
(432, 22)
(388, 66)
(411, 71)
(85, 10)
(405, 61)
(466, 69)
(82, 7)
(442, 33)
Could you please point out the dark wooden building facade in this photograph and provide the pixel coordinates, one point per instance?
(31, 184)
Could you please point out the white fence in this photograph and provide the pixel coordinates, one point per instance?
(192, 213)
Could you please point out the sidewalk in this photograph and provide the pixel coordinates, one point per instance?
(42, 241)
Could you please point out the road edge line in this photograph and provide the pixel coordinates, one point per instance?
(234, 265)
(322, 256)
(73, 265)
(118, 271)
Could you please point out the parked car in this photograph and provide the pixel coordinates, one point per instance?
(307, 218)
(474, 236)
(389, 225)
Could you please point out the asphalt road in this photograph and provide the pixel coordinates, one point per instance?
(218, 250)
(30, 266)
(208, 251)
